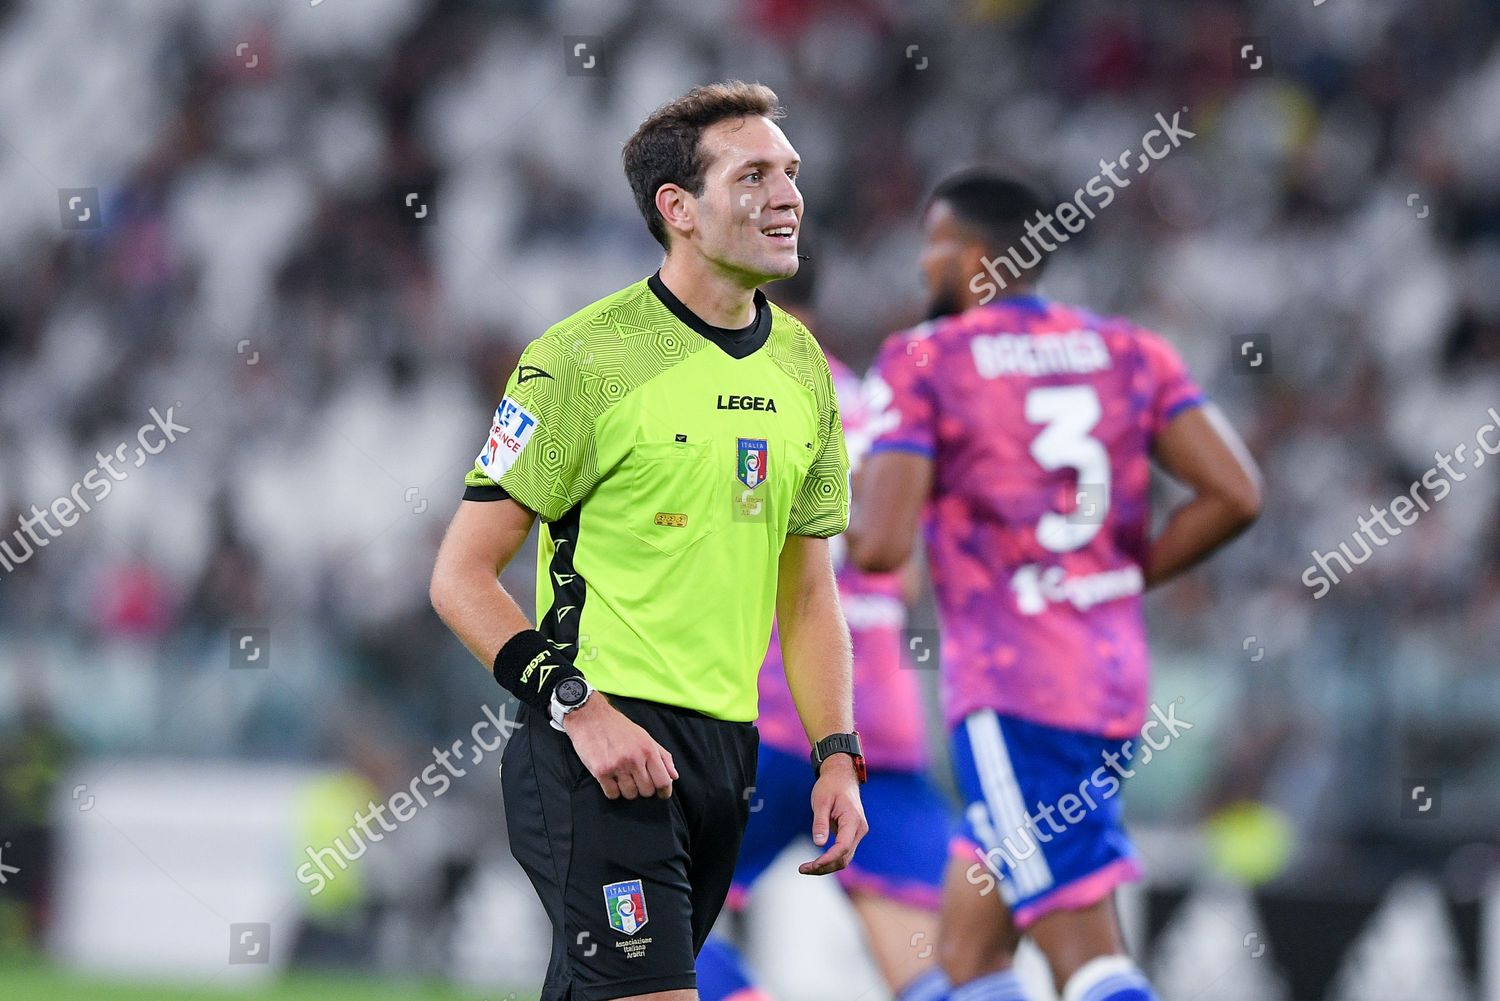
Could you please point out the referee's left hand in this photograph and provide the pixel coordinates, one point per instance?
(836, 808)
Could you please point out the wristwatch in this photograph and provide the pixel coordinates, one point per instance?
(569, 696)
(840, 743)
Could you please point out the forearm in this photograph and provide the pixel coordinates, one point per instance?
(819, 665)
(481, 613)
(1202, 451)
(1191, 533)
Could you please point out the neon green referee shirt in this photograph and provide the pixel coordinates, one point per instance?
(668, 460)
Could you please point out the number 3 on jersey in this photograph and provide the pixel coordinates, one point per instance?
(1069, 413)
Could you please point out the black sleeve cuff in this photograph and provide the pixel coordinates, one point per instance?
(494, 492)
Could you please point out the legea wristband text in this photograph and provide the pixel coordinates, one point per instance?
(529, 668)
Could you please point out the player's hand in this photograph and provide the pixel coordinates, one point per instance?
(618, 753)
(836, 810)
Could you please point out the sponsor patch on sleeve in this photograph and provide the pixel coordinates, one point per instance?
(511, 429)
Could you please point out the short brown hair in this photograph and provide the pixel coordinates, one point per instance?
(665, 149)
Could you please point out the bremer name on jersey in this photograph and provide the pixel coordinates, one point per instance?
(1040, 418)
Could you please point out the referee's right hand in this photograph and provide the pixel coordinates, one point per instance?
(618, 753)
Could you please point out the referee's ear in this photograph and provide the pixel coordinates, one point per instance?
(679, 210)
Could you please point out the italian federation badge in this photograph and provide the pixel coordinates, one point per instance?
(751, 468)
(626, 903)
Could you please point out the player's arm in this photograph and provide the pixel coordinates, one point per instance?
(819, 665)
(1201, 450)
(895, 477)
(889, 493)
(913, 575)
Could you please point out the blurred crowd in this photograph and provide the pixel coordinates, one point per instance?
(325, 230)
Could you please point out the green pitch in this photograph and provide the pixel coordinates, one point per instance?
(40, 983)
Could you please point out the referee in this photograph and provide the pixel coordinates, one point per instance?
(680, 440)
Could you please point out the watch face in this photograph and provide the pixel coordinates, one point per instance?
(570, 692)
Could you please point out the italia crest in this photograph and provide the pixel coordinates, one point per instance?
(626, 903)
(751, 467)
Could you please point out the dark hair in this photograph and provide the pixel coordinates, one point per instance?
(998, 207)
(665, 149)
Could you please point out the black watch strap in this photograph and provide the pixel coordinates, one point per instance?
(839, 743)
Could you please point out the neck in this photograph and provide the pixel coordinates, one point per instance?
(717, 298)
(1010, 291)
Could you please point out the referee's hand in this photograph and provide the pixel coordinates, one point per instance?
(618, 753)
(836, 807)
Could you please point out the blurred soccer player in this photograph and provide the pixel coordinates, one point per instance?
(680, 441)
(895, 882)
(1020, 433)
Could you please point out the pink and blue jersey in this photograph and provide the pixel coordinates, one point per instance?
(887, 698)
(1040, 419)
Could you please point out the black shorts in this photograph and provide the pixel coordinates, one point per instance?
(631, 887)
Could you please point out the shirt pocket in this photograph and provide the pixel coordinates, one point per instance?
(796, 462)
(672, 494)
(797, 457)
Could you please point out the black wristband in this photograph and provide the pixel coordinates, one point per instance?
(529, 668)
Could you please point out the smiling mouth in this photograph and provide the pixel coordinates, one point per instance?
(781, 234)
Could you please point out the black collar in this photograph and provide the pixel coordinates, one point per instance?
(740, 343)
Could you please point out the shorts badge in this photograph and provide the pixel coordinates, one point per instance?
(626, 903)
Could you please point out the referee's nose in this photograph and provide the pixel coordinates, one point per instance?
(783, 195)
